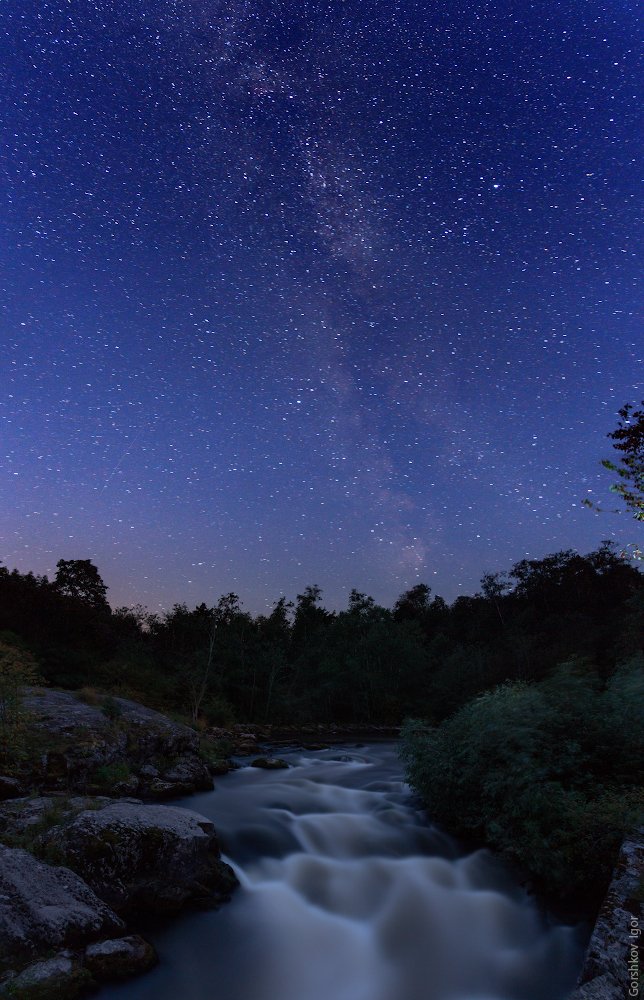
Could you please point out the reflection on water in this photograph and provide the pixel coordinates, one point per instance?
(347, 894)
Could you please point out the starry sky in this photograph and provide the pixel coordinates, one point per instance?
(315, 292)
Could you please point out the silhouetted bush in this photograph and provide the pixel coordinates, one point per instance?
(544, 772)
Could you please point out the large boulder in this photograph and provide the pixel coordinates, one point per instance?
(43, 908)
(144, 858)
(106, 747)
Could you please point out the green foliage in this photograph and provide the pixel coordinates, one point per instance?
(218, 712)
(543, 772)
(29, 837)
(215, 752)
(108, 775)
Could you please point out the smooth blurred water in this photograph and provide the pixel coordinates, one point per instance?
(347, 894)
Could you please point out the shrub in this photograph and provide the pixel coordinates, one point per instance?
(532, 770)
(218, 712)
(108, 775)
(89, 695)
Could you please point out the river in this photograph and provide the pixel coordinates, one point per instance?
(348, 894)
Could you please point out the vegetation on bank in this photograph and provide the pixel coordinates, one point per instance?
(547, 773)
(546, 767)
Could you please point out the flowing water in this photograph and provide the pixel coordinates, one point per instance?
(347, 894)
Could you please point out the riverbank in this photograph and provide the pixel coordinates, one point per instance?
(242, 739)
(88, 847)
(82, 826)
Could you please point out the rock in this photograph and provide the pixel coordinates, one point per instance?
(605, 971)
(21, 817)
(159, 789)
(246, 748)
(189, 774)
(87, 749)
(600, 988)
(18, 815)
(222, 766)
(42, 907)
(127, 788)
(147, 772)
(186, 775)
(57, 978)
(145, 858)
(269, 763)
(10, 788)
(120, 958)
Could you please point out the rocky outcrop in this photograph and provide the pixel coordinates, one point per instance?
(612, 957)
(43, 907)
(144, 858)
(115, 746)
(98, 853)
(120, 958)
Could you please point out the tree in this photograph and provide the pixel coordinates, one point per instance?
(629, 436)
(309, 617)
(199, 676)
(494, 586)
(413, 604)
(188, 639)
(80, 579)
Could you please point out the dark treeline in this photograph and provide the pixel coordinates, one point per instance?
(303, 663)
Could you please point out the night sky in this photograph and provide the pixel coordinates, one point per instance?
(297, 293)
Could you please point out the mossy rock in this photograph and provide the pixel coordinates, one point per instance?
(58, 978)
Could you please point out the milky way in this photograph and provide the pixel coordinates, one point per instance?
(313, 292)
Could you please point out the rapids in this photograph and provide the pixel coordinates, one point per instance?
(348, 894)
